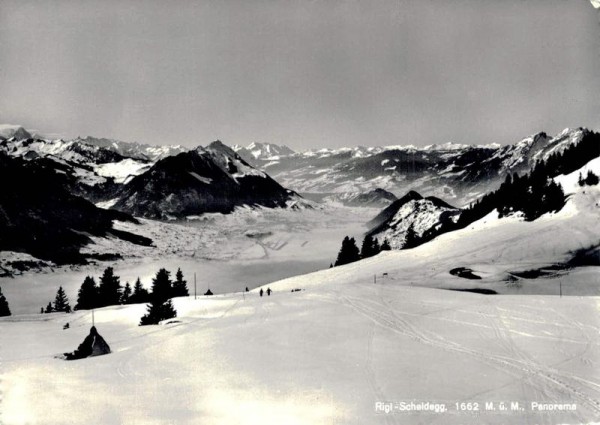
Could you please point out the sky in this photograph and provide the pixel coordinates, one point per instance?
(307, 74)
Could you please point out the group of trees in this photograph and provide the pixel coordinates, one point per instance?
(160, 306)
(111, 292)
(590, 180)
(350, 253)
(61, 303)
(4, 309)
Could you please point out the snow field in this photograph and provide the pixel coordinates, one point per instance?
(323, 355)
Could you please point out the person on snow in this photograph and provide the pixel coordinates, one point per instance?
(269, 292)
(92, 345)
(261, 292)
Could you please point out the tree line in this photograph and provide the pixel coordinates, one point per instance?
(350, 253)
(109, 292)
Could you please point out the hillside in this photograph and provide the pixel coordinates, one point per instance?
(413, 212)
(331, 351)
(39, 216)
(204, 180)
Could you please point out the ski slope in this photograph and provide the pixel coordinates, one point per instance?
(323, 355)
(383, 330)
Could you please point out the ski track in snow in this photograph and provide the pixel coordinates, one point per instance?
(536, 375)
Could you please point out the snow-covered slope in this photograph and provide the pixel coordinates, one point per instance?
(269, 151)
(344, 348)
(135, 150)
(95, 170)
(376, 198)
(411, 211)
(455, 172)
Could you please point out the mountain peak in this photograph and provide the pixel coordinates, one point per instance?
(8, 131)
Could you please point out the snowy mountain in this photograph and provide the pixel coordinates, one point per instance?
(267, 151)
(457, 173)
(376, 198)
(411, 211)
(40, 216)
(92, 172)
(8, 131)
(135, 150)
(211, 179)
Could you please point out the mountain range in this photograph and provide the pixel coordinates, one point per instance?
(454, 172)
(173, 182)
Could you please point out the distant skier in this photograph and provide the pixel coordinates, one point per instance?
(247, 290)
(269, 292)
(261, 292)
(92, 345)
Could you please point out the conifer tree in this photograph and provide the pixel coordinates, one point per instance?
(591, 178)
(4, 309)
(349, 252)
(367, 248)
(160, 307)
(376, 247)
(140, 294)
(385, 246)
(49, 308)
(61, 302)
(109, 290)
(180, 288)
(410, 239)
(126, 295)
(87, 297)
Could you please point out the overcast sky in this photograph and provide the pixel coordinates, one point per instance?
(307, 74)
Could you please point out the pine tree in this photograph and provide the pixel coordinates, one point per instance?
(4, 309)
(140, 294)
(49, 308)
(61, 302)
(580, 180)
(126, 295)
(349, 252)
(109, 290)
(87, 297)
(158, 312)
(160, 307)
(411, 239)
(376, 247)
(162, 288)
(385, 246)
(367, 248)
(180, 288)
(591, 179)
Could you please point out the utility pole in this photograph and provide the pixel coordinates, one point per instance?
(560, 287)
(93, 321)
(194, 285)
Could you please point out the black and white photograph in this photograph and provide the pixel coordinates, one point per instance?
(299, 212)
